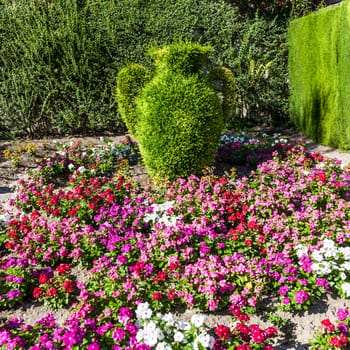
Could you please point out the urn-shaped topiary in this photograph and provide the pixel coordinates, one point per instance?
(179, 115)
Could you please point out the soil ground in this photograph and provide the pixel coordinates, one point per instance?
(299, 327)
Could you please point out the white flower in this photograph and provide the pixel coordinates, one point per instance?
(301, 250)
(4, 219)
(140, 335)
(346, 252)
(150, 338)
(159, 334)
(323, 268)
(150, 326)
(317, 256)
(345, 287)
(205, 340)
(179, 337)
(70, 166)
(184, 326)
(346, 266)
(343, 276)
(169, 319)
(198, 320)
(163, 346)
(81, 169)
(329, 248)
(143, 311)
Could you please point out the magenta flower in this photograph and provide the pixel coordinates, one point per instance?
(301, 296)
(343, 314)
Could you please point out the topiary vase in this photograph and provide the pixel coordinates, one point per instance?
(178, 117)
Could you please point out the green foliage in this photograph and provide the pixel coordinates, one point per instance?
(180, 115)
(273, 8)
(224, 76)
(318, 67)
(58, 62)
(59, 59)
(129, 81)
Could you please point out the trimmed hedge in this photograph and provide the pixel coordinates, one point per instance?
(179, 114)
(59, 59)
(319, 73)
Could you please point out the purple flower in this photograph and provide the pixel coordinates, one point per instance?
(284, 290)
(124, 315)
(12, 294)
(343, 328)
(286, 301)
(343, 314)
(94, 346)
(301, 296)
(118, 334)
(5, 336)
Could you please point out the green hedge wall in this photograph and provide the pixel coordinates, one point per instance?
(59, 59)
(319, 71)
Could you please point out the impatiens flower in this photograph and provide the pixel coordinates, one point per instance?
(94, 346)
(301, 296)
(328, 325)
(37, 292)
(343, 313)
(222, 331)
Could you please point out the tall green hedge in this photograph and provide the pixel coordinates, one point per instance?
(59, 59)
(319, 70)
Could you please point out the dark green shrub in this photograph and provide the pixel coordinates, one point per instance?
(179, 114)
(58, 62)
(319, 70)
(59, 59)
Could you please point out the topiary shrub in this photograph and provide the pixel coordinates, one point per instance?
(129, 81)
(179, 114)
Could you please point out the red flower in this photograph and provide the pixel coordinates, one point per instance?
(253, 225)
(37, 292)
(171, 294)
(328, 324)
(43, 278)
(244, 347)
(157, 296)
(258, 336)
(222, 331)
(51, 292)
(270, 331)
(62, 268)
(68, 285)
(243, 317)
(335, 341)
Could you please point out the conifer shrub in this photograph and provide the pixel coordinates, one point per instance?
(179, 116)
(129, 81)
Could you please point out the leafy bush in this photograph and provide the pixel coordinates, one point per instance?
(180, 115)
(129, 81)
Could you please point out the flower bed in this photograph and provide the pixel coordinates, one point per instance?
(209, 243)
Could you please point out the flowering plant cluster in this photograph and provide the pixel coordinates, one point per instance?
(55, 288)
(208, 243)
(15, 281)
(251, 150)
(333, 335)
(332, 261)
